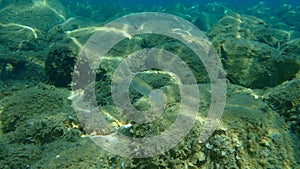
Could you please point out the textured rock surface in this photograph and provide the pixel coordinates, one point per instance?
(39, 128)
(250, 135)
(60, 62)
(43, 127)
(32, 120)
(251, 51)
(45, 13)
(285, 99)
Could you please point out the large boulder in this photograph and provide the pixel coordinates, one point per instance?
(251, 51)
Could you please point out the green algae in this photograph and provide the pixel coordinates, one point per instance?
(39, 128)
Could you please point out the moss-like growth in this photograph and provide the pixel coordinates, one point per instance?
(60, 63)
(38, 115)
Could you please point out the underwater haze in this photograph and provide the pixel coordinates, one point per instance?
(154, 84)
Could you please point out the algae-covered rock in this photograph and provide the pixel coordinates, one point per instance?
(38, 114)
(251, 51)
(16, 37)
(60, 62)
(291, 48)
(37, 124)
(257, 133)
(22, 65)
(155, 78)
(250, 135)
(257, 65)
(46, 13)
(39, 128)
(285, 99)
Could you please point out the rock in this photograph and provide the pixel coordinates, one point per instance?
(251, 51)
(45, 13)
(291, 48)
(249, 136)
(60, 62)
(285, 100)
(16, 37)
(39, 125)
(249, 28)
(250, 63)
(37, 115)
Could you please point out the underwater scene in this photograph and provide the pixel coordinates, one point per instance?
(154, 84)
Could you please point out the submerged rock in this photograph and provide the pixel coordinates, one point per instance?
(60, 62)
(39, 128)
(250, 135)
(251, 51)
(285, 99)
(38, 14)
(34, 114)
(34, 121)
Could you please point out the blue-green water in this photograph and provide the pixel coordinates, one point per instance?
(149, 84)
